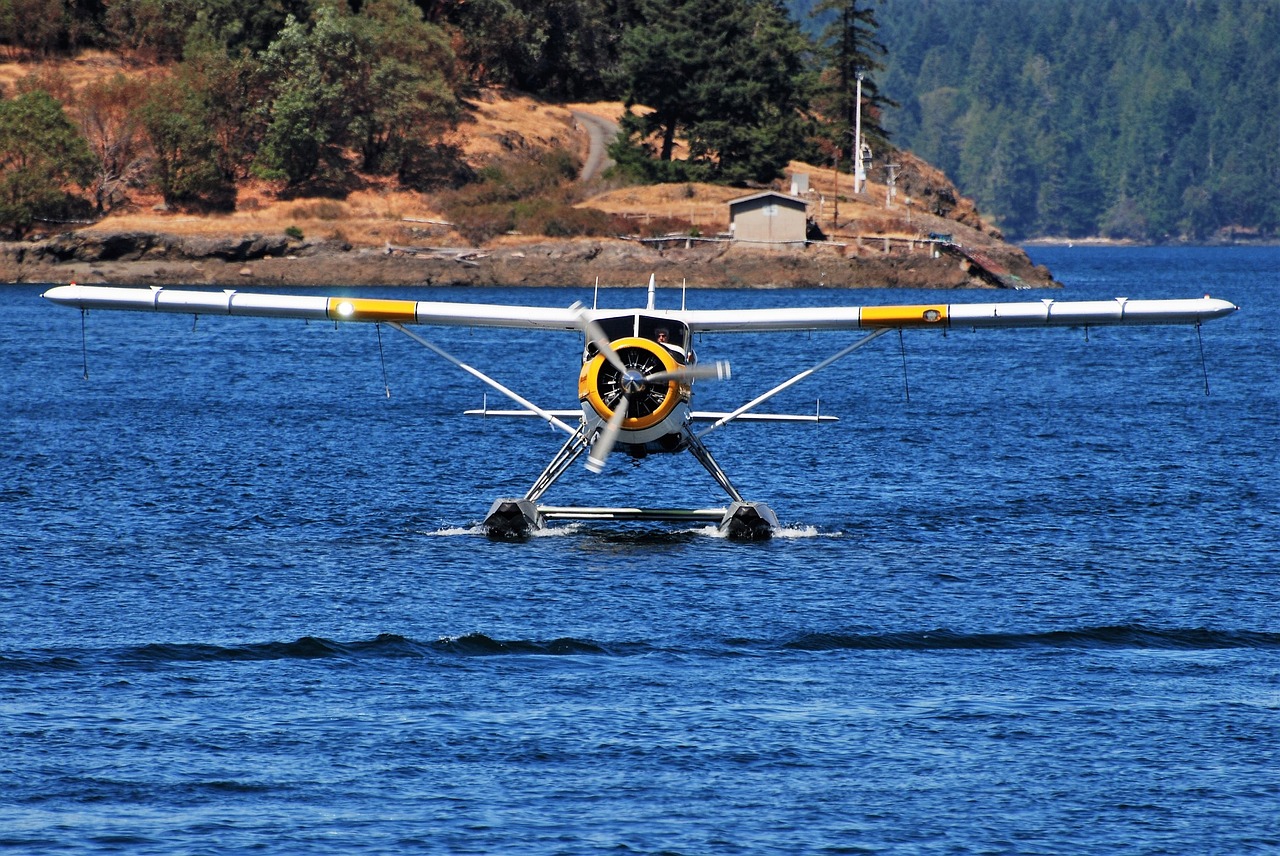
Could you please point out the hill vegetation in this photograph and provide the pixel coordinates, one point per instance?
(1135, 119)
(1141, 119)
(317, 97)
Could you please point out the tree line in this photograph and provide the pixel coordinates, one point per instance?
(1143, 119)
(306, 93)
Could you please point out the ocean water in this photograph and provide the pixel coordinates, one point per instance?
(1027, 599)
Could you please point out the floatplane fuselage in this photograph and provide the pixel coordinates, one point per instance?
(636, 382)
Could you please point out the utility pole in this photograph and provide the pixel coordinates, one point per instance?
(835, 193)
(891, 189)
(859, 171)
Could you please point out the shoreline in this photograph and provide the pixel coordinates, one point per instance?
(151, 259)
(1127, 242)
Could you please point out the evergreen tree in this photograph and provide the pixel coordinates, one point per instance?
(408, 92)
(175, 116)
(560, 48)
(41, 153)
(1139, 118)
(849, 49)
(500, 42)
(727, 75)
(312, 72)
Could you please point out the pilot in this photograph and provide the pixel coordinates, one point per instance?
(663, 337)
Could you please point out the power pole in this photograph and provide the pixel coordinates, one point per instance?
(835, 193)
(859, 171)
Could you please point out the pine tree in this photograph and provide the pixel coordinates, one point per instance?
(726, 75)
(849, 47)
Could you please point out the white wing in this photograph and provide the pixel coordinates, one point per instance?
(313, 308)
(1040, 313)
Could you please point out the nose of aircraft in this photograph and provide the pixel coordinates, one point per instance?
(633, 382)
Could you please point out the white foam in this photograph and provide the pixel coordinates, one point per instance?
(571, 528)
(792, 532)
(477, 529)
(800, 531)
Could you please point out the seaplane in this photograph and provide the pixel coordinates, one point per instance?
(638, 371)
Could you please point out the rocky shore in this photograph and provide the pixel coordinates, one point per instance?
(140, 258)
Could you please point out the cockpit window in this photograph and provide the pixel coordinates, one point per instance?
(670, 334)
(615, 328)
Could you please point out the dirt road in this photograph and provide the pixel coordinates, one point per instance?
(601, 133)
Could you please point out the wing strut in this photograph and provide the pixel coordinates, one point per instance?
(1204, 367)
(84, 342)
(382, 359)
(474, 372)
(755, 402)
(569, 452)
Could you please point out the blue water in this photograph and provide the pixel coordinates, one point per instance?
(1026, 600)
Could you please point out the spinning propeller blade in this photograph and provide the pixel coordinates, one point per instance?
(719, 370)
(609, 435)
(604, 443)
(595, 335)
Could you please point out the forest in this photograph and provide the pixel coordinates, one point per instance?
(1144, 119)
(1152, 120)
(313, 94)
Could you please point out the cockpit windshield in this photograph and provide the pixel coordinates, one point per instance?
(669, 333)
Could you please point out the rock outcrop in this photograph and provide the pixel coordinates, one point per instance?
(162, 259)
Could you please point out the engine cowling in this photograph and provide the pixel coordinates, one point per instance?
(601, 386)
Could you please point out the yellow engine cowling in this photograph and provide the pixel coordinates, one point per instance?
(599, 381)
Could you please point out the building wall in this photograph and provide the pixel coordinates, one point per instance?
(768, 219)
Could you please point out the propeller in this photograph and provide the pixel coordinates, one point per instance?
(604, 443)
(719, 370)
(596, 335)
(634, 382)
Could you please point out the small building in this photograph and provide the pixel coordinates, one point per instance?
(768, 217)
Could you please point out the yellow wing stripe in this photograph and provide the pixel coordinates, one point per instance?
(903, 316)
(372, 309)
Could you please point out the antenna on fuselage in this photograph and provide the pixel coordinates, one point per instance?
(684, 289)
(595, 300)
(651, 288)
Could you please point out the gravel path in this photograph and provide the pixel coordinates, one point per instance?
(601, 133)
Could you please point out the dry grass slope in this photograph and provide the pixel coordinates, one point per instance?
(498, 124)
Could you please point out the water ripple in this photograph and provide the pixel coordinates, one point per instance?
(390, 645)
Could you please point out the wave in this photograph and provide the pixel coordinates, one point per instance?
(390, 646)
(1121, 637)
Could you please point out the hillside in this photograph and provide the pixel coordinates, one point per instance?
(377, 234)
(1137, 119)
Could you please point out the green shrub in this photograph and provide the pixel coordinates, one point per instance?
(480, 223)
(531, 193)
(558, 220)
(655, 227)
